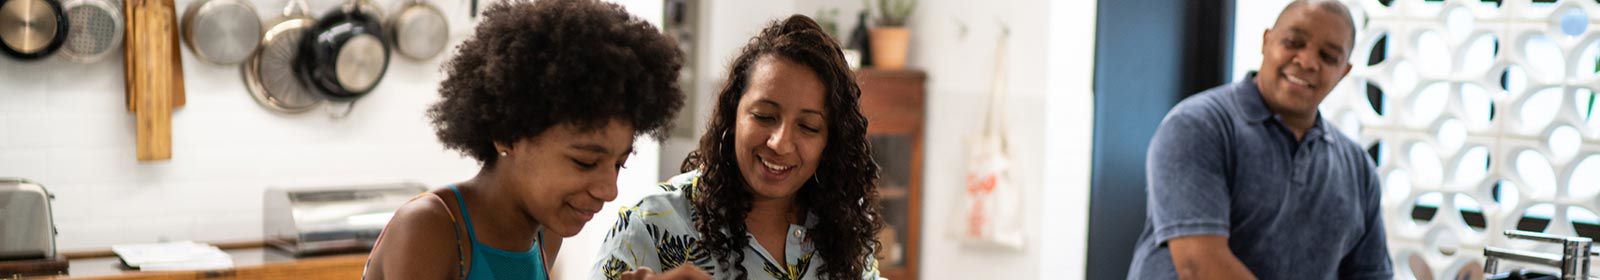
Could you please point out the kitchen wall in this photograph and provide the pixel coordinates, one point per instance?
(65, 126)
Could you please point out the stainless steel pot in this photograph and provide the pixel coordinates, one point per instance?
(344, 55)
(222, 31)
(420, 30)
(31, 29)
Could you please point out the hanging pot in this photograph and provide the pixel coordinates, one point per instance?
(95, 30)
(31, 29)
(270, 72)
(222, 31)
(420, 30)
(343, 55)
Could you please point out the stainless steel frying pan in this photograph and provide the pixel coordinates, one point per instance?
(95, 30)
(270, 72)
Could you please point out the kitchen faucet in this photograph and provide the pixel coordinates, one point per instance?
(1573, 260)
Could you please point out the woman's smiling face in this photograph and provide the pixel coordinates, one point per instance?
(780, 127)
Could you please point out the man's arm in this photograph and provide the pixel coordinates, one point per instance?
(1189, 197)
(1206, 257)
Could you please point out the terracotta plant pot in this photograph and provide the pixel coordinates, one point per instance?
(889, 47)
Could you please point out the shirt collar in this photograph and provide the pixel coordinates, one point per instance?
(1247, 95)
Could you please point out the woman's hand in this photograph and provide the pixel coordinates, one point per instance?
(683, 272)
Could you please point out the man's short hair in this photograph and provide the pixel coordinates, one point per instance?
(1332, 6)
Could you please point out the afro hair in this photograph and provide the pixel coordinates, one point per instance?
(532, 65)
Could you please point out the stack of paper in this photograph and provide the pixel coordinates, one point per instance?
(180, 255)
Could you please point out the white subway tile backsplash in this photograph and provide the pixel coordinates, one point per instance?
(97, 234)
(23, 163)
(4, 130)
(21, 98)
(23, 91)
(69, 130)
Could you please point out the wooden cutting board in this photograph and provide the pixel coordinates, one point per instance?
(155, 75)
(129, 46)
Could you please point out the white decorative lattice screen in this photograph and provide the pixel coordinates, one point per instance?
(1484, 114)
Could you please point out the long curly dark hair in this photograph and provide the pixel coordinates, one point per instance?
(532, 65)
(843, 192)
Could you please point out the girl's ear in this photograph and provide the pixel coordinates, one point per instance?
(501, 148)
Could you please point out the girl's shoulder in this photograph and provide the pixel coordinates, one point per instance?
(668, 208)
(420, 239)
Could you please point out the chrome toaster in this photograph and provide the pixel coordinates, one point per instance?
(332, 219)
(27, 231)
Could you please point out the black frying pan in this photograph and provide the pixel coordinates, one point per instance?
(343, 55)
(31, 29)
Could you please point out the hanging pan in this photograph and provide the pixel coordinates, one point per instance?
(344, 56)
(419, 30)
(222, 31)
(270, 73)
(31, 29)
(95, 30)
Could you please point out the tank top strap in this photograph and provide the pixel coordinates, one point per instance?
(466, 216)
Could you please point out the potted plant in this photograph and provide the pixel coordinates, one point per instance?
(891, 37)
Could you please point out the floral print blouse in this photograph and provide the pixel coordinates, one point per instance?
(659, 233)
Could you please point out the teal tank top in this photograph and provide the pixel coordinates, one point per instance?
(489, 263)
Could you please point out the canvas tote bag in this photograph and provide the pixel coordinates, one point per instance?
(990, 207)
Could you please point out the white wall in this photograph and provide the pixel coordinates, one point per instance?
(64, 125)
(1069, 138)
(1251, 17)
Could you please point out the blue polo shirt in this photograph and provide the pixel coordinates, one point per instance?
(1223, 164)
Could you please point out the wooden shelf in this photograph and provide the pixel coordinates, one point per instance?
(894, 103)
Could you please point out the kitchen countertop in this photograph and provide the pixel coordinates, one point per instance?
(250, 263)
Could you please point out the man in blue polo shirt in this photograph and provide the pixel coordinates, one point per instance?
(1246, 180)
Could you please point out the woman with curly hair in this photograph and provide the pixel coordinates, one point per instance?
(782, 185)
(548, 97)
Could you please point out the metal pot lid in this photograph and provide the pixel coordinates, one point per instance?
(421, 31)
(28, 26)
(95, 29)
(274, 83)
(223, 31)
(361, 63)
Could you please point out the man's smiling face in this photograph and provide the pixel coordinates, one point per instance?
(1304, 55)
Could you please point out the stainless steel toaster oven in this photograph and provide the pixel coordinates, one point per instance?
(331, 219)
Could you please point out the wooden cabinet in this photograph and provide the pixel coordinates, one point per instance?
(893, 101)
